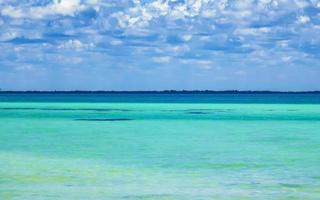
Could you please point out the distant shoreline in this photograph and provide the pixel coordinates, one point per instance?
(162, 92)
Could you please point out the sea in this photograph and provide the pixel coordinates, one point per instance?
(153, 146)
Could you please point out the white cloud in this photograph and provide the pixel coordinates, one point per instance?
(66, 59)
(286, 58)
(141, 15)
(301, 3)
(283, 43)
(238, 13)
(116, 42)
(57, 7)
(174, 50)
(8, 36)
(74, 44)
(151, 21)
(177, 49)
(161, 59)
(205, 38)
(13, 12)
(252, 31)
(209, 13)
(204, 64)
(303, 19)
(24, 68)
(65, 7)
(187, 37)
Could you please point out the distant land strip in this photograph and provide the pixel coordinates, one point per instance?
(162, 92)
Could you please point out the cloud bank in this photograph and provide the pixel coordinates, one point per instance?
(160, 44)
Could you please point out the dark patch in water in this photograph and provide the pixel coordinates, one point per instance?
(270, 110)
(316, 177)
(17, 108)
(209, 110)
(198, 113)
(68, 109)
(84, 109)
(292, 110)
(200, 110)
(214, 111)
(68, 185)
(58, 109)
(105, 120)
(193, 110)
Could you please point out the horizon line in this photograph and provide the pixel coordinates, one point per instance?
(164, 91)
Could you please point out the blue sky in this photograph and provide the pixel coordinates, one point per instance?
(159, 44)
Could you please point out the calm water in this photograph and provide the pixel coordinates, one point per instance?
(197, 147)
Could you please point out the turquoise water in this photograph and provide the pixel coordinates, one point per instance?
(70, 148)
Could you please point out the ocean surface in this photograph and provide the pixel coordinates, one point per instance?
(159, 146)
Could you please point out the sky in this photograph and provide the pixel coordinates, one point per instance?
(160, 45)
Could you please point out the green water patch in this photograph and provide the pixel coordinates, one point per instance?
(316, 177)
(291, 185)
(33, 179)
(226, 166)
(302, 188)
(7, 194)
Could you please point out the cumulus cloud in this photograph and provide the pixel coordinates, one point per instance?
(142, 14)
(75, 44)
(252, 31)
(57, 7)
(12, 12)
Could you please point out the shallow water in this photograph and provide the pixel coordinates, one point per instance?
(81, 150)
